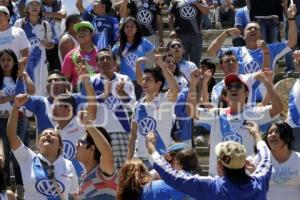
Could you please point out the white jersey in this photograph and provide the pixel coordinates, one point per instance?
(15, 39)
(37, 185)
(186, 67)
(7, 89)
(70, 135)
(226, 126)
(157, 117)
(293, 117)
(250, 81)
(112, 112)
(285, 179)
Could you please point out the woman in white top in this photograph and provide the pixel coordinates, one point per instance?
(46, 174)
(285, 180)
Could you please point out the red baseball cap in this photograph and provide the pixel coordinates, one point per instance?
(235, 78)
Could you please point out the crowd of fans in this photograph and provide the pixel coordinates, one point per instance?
(115, 101)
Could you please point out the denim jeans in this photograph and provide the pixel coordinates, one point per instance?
(192, 44)
(269, 30)
(8, 155)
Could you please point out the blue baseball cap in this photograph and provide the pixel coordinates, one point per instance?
(177, 147)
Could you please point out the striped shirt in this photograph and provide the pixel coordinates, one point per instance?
(96, 185)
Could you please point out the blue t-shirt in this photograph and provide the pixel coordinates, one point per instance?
(242, 17)
(159, 190)
(128, 58)
(106, 29)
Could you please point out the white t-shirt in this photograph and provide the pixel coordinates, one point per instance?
(7, 89)
(285, 179)
(15, 39)
(157, 117)
(39, 187)
(112, 113)
(186, 67)
(225, 126)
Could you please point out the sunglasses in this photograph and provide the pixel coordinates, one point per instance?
(176, 45)
(234, 86)
(82, 142)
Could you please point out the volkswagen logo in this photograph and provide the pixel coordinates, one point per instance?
(69, 150)
(9, 91)
(46, 187)
(112, 102)
(187, 12)
(130, 59)
(144, 16)
(252, 67)
(232, 137)
(146, 125)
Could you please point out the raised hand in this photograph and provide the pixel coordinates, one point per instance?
(20, 100)
(120, 88)
(195, 77)
(207, 76)
(262, 44)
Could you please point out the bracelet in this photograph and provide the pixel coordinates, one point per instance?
(291, 19)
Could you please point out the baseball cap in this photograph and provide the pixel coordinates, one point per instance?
(177, 147)
(85, 24)
(4, 9)
(29, 1)
(234, 78)
(231, 154)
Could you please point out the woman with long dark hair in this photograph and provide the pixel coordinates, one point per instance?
(131, 46)
(10, 72)
(285, 179)
(40, 36)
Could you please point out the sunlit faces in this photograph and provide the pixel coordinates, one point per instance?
(176, 48)
(84, 35)
(170, 63)
(6, 62)
(252, 32)
(274, 139)
(4, 18)
(229, 64)
(105, 61)
(34, 8)
(56, 85)
(236, 92)
(49, 139)
(130, 29)
(149, 85)
(62, 111)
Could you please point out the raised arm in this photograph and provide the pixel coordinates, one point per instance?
(293, 31)
(191, 107)
(218, 42)
(80, 7)
(124, 9)
(172, 83)
(202, 7)
(13, 139)
(2, 155)
(90, 92)
(30, 87)
(192, 185)
(276, 103)
(107, 157)
(132, 138)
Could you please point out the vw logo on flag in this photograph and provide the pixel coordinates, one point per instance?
(144, 16)
(111, 102)
(130, 59)
(69, 149)
(146, 125)
(232, 137)
(46, 187)
(187, 12)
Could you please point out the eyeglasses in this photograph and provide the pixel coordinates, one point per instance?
(234, 86)
(82, 142)
(176, 45)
